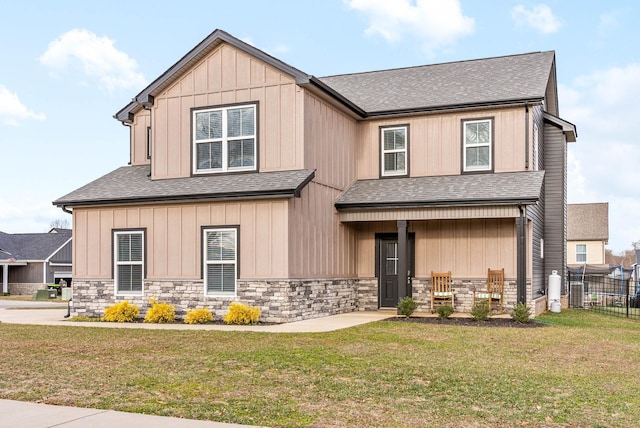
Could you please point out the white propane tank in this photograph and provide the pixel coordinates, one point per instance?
(554, 291)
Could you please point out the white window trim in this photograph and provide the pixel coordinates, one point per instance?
(465, 146)
(206, 262)
(116, 263)
(383, 152)
(224, 140)
(580, 252)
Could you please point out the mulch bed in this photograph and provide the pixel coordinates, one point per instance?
(463, 321)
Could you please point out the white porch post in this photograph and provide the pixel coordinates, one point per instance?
(5, 278)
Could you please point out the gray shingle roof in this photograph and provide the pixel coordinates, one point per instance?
(588, 222)
(32, 246)
(448, 190)
(132, 184)
(491, 80)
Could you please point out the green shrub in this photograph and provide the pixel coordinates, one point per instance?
(521, 313)
(444, 311)
(160, 312)
(198, 316)
(121, 312)
(406, 306)
(481, 310)
(239, 313)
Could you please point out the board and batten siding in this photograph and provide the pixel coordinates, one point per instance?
(33, 272)
(141, 121)
(226, 76)
(466, 247)
(435, 142)
(555, 203)
(173, 237)
(320, 245)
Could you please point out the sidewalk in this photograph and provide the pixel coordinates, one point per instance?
(14, 414)
(48, 316)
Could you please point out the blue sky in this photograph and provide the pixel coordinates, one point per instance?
(67, 66)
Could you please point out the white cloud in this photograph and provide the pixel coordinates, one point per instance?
(603, 164)
(12, 111)
(436, 23)
(94, 58)
(33, 215)
(608, 22)
(539, 17)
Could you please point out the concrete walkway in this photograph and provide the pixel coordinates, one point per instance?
(18, 414)
(33, 415)
(15, 313)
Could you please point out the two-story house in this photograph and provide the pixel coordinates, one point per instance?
(250, 180)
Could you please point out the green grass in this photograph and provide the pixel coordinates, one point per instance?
(582, 370)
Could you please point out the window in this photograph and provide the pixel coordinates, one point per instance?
(394, 150)
(224, 139)
(128, 256)
(477, 138)
(220, 260)
(581, 253)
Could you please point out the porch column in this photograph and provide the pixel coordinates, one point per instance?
(5, 279)
(521, 232)
(403, 259)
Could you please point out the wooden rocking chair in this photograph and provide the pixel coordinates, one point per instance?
(495, 289)
(441, 289)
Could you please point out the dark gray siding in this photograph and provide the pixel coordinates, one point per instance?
(555, 209)
(536, 213)
(63, 255)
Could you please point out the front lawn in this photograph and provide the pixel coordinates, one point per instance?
(581, 370)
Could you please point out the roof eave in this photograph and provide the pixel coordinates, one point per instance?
(468, 106)
(271, 194)
(568, 128)
(433, 204)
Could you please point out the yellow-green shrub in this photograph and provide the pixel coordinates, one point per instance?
(121, 312)
(239, 313)
(160, 312)
(198, 316)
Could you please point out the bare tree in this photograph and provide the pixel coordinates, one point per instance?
(60, 223)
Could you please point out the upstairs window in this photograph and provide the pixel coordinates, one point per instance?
(581, 253)
(224, 139)
(394, 150)
(128, 256)
(477, 141)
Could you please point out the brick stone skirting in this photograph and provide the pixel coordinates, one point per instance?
(279, 300)
(463, 293)
(24, 288)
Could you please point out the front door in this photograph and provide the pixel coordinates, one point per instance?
(388, 273)
(387, 269)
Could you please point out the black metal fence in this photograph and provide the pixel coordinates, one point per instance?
(614, 296)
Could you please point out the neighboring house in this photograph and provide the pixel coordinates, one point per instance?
(31, 261)
(587, 233)
(250, 180)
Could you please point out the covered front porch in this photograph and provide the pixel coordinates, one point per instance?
(401, 242)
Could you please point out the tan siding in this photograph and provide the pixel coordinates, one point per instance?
(139, 138)
(228, 76)
(595, 252)
(465, 247)
(435, 142)
(173, 237)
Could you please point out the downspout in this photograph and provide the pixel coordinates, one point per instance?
(526, 136)
(149, 136)
(64, 208)
(521, 257)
